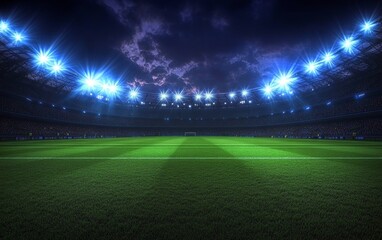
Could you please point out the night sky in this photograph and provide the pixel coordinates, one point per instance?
(188, 44)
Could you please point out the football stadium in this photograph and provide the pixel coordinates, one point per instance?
(190, 120)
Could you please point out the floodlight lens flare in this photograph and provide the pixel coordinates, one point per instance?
(231, 95)
(4, 26)
(328, 58)
(163, 96)
(198, 96)
(57, 67)
(268, 90)
(113, 89)
(312, 67)
(178, 97)
(18, 37)
(133, 94)
(90, 82)
(43, 57)
(367, 26)
(244, 93)
(285, 80)
(348, 44)
(105, 87)
(208, 96)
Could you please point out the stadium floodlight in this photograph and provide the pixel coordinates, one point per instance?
(178, 96)
(198, 96)
(57, 67)
(91, 82)
(105, 87)
(284, 80)
(134, 94)
(367, 26)
(43, 57)
(312, 67)
(328, 58)
(4, 26)
(113, 89)
(163, 96)
(268, 90)
(110, 89)
(208, 96)
(348, 44)
(231, 95)
(18, 37)
(244, 93)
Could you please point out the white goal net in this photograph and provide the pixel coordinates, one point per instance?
(189, 133)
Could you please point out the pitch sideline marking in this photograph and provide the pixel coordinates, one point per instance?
(190, 158)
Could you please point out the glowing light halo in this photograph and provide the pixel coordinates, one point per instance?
(348, 44)
(134, 94)
(208, 95)
(311, 67)
(198, 96)
(367, 26)
(43, 57)
(328, 58)
(163, 96)
(178, 96)
(244, 93)
(282, 82)
(268, 90)
(4, 26)
(57, 67)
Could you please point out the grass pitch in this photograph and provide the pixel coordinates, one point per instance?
(190, 188)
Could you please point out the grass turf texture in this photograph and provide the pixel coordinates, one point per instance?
(190, 188)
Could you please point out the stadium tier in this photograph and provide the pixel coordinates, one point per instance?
(352, 107)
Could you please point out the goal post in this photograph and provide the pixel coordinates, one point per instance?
(190, 134)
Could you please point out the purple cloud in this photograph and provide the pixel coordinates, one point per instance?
(219, 22)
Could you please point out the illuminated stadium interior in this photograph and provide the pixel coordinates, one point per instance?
(183, 120)
(292, 94)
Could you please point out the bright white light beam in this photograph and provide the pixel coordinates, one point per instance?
(4, 26)
(208, 95)
(198, 96)
(367, 26)
(178, 96)
(57, 67)
(18, 37)
(133, 94)
(328, 58)
(268, 90)
(43, 57)
(163, 96)
(312, 67)
(348, 44)
(244, 93)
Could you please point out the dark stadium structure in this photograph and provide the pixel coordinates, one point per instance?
(343, 102)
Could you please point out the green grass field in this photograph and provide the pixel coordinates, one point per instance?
(191, 188)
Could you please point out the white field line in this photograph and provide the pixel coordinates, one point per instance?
(191, 158)
(191, 145)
